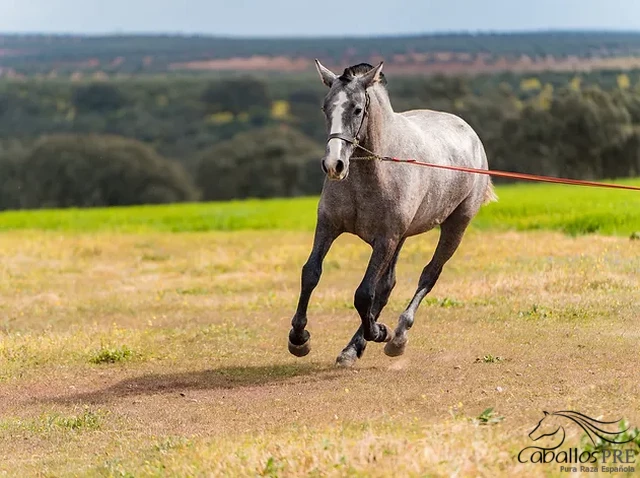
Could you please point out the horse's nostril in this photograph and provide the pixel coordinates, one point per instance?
(324, 166)
(339, 166)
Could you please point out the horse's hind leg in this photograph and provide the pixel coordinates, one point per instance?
(451, 233)
(353, 350)
(311, 271)
(357, 344)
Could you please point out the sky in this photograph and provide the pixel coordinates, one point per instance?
(313, 17)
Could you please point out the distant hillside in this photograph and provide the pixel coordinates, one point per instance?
(459, 52)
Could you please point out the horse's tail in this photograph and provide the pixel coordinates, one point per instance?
(490, 193)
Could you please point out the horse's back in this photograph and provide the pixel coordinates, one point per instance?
(444, 138)
(449, 131)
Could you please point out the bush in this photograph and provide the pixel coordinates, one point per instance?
(273, 161)
(98, 97)
(73, 170)
(11, 171)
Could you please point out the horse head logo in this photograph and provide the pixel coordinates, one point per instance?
(550, 425)
(546, 427)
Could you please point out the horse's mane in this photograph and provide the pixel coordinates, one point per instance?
(352, 72)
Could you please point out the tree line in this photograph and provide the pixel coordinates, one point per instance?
(186, 139)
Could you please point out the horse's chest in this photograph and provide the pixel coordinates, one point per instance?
(369, 217)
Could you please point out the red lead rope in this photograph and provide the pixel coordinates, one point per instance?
(502, 174)
(507, 174)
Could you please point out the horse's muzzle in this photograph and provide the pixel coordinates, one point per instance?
(335, 170)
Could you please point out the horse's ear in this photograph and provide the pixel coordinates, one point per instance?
(372, 76)
(327, 76)
(545, 413)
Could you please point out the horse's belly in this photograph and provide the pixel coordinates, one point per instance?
(429, 215)
(423, 224)
(387, 220)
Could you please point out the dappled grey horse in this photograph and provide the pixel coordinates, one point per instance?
(383, 203)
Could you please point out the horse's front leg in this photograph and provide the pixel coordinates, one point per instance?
(387, 282)
(381, 257)
(311, 272)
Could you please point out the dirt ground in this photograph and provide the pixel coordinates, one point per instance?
(166, 355)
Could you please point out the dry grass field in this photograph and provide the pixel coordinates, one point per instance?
(165, 354)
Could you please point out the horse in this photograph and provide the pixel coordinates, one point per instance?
(384, 203)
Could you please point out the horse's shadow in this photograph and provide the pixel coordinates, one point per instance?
(213, 379)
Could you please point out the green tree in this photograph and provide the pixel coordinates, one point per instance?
(236, 96)
(630, 101)
(11, 175)
(622, 159)
(73, 170)
(588, 123)
(305, 110)
(99, 97)
(273, 161)
(526, 143)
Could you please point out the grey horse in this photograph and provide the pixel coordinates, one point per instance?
(383, 203)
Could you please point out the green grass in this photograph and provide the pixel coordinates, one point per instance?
(51, 422)
(570, 209)
(271, 214)
(573, 210)
(111, 355)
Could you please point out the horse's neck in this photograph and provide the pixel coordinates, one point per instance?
(380, 119)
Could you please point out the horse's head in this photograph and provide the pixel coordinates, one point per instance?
(345, 109)
(545, 427)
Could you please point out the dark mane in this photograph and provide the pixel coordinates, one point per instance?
(360, 69)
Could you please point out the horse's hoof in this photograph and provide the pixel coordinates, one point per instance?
(300, 350)
(395, 349)
(347, 358)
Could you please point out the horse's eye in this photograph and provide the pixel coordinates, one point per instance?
(357, 111)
